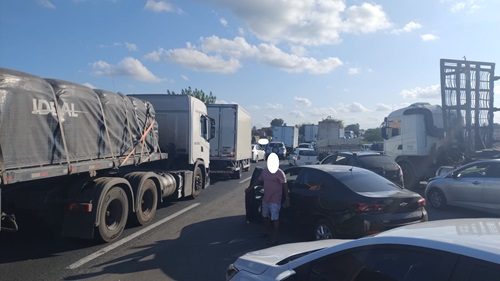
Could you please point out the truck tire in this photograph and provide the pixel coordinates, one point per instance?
(197, 182)
(238, 174)
(147, 201)
(409, 175)
(113, 214)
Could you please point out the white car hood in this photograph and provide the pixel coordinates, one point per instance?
(258, 261)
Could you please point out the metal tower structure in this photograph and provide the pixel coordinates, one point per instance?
(467, 101)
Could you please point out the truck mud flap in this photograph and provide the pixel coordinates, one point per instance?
(78, 224)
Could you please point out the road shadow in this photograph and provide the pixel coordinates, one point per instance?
(201, 252)
(37, 240)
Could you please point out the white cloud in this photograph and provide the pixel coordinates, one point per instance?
(306, 22)
(272, 55)
(158, 6)
(409, 27)
(275, 106)
(353, 71)
(302, 101)
(255, 107)
(87, 84)
(296, 113)
(354, 107)
(224, 55)
(323, 112)
(46, 4)
(366, 18)
(131, 46)
(185, 78)
(196, 60)
(383, 107)
(456, 6)
(429, 37)
(129, 67)
(237, 48)
(223, 22)
(429, 92)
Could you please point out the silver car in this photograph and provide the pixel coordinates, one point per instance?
(474, 186)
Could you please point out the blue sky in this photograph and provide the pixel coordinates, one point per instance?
(299, 60)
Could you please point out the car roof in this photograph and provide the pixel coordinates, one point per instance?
(477, 237)
(360, 153)
(334, 169)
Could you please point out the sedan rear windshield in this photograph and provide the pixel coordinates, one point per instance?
(275, 145)
(308, 153)
(376, 161)
(367, 182)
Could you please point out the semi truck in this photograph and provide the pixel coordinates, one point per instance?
(231, 147)
(423, 137)
(88, 161)
(289, 135)
(310, 133)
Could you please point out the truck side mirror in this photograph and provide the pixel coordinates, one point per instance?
(384, 133)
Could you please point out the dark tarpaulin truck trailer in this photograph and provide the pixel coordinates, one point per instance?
(86, 160)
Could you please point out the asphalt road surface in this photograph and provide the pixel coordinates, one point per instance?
(189, 240)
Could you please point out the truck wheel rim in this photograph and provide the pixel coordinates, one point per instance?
(114, 213)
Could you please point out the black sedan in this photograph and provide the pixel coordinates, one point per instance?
(374, 161)
(342, 201)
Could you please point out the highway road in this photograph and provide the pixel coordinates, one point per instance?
(189, 240)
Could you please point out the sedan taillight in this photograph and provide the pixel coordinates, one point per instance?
(421, 202)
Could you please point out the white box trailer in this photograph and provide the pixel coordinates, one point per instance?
(231, 147)
(288, 135)
(310, 133)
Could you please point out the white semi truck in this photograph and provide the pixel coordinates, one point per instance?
(87, 161)
(231, 147)
(422, 137)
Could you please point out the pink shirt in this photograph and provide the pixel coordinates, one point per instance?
(273, 185)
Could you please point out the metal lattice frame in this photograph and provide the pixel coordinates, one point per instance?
(467, 97)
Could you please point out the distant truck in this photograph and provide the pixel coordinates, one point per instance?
(310, 133)
(231, 147)
(88, 161)
(331, 138)
(289, 135)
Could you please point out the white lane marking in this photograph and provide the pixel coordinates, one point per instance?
(128, 238)
(245, 180)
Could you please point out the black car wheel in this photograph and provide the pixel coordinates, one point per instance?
(437, 199)
(323, 229)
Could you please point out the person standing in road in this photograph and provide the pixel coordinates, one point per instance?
(274, 189)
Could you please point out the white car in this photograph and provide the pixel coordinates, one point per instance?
(303, 156)
(305, 145)
(458, 249)
(258, 153)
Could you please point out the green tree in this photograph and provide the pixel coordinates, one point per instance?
(353, 127)
(338, 121)
(277, 122)
(199, 94)
(373, 135)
